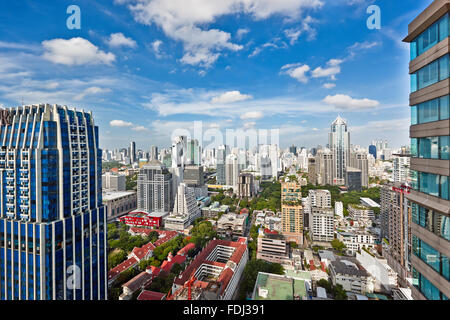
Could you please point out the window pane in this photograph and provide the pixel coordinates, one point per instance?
(429, 148)
(445, 188)
(413, 115)
(428, 75)
(443, 28)
(429, 183)
(414, 82)
(414, 147)
(445, 227)
(413, 47)
(444, 106)
(444, 145)
(444, 68)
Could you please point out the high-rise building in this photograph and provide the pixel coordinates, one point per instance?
(154, 153)
(185, 209)
(395, 218)
(359, 160)
(246, 185)
(428, 35)
(293, 149)
(373, 151)
(321, 215)
(312, 174)
(114, 182)
(353, 179)
(155, 188)
(325, 167)
(400, 168)
(193, 176)
(133, 152)
(292, 211)
(339, 143)
(231, 170)
(194, 152)
(52, 221)
(221, 158)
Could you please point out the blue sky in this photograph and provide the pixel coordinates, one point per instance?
(148, 67)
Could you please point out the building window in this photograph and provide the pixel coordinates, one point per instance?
(432, 73)
(431, 148)
(430, 37)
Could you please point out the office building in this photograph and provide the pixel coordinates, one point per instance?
(52, 222)
(373, 151)
(185, 209)
(339, 142)
(246, 186)
(194, 152)
(359, 160)
(351, 275)
(154, 188)
(231, 171)
(428, 35)
(221, 158)
(353, 179)
(133, 156)
(193, 176)
(272, 247)
(321, 224)
(114, 182)
(325, 167)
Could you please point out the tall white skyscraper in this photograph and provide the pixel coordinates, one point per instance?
(339, 143)
(232, 170)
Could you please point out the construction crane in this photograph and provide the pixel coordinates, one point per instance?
(189, 284)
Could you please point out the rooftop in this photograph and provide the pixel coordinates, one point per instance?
(110, 195)
(277, 287)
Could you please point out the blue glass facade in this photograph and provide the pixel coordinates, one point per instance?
(431, 223)
(52, 222)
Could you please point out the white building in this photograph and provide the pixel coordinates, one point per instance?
(185, 209)
(385, 277)
(356, 241)
(339, 209)
(354, 279)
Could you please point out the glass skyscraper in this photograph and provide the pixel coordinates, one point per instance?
(52, 221)
(428, 35)
(339, 142)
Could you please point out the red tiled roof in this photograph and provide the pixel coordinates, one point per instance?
(270, 231)
(186, 249)
(141, 230)
(167, 265)
(127, 264)
(215, 263)
(168, 235)
(225, 277)
(311, 265)
(151, 295)
(203, 255)
(140, 281)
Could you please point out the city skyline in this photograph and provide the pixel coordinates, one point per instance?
(261, 66)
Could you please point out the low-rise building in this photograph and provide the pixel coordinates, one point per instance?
(352, 277)
(214, 209)
(356, 241)
(278, 287)
(272, 247)
(119, 203)
(360, 212)
(232, 225)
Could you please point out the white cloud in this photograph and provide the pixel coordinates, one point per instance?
(276, 43)
(297, 71)
(345, 102)
(75, 52)
(91, 91)
(120, 123)
(329, 85)
(139, 128)
(119, 40)
(294, 33)
(362, 46)
(252, 115)
(187, 20)
(241, 33)
(230, 97)
(156, 48)
(333, 68)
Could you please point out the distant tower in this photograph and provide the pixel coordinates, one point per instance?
(339, 142)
